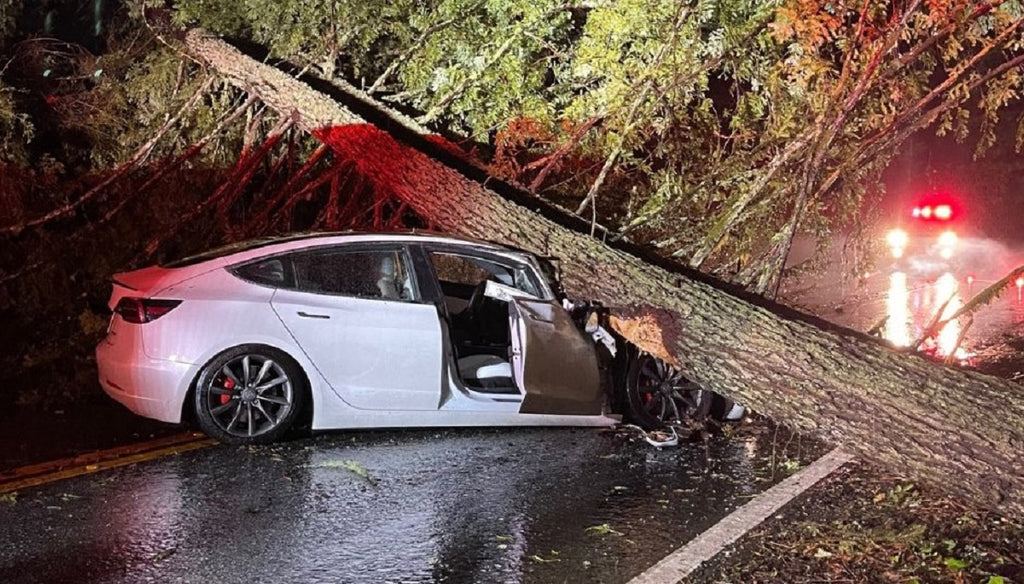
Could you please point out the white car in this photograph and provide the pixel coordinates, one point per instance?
(367, 330)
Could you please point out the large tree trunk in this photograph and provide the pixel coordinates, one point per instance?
(954, 429)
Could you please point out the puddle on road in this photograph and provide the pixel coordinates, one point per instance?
(530, 505)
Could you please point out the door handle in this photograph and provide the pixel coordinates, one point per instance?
(308, 315)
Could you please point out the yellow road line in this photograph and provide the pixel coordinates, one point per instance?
(47, 472)
(94, 457)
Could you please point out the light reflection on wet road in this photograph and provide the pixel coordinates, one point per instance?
(903, 301)
(449, 506)
(911, 305)
(910, 311)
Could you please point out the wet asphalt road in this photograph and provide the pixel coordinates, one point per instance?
(905, 300)
(517, 505)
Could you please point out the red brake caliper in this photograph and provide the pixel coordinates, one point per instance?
(228, 384)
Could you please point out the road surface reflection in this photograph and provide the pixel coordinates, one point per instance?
(910, 310)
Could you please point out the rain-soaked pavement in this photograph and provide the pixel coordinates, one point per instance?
(903, 301)
(515, 505)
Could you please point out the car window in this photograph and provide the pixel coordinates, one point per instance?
(269, 272)
(366, 273)
(456, 270)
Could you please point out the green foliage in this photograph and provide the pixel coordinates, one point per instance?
(727, 126)
(139, 93)
(325, 33)
(601, 530)
(353, 467)
(15, 125)
(724, 126)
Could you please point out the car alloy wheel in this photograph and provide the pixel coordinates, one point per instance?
(658, 394)
(250, 394)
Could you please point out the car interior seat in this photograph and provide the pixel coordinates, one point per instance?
(488, 373)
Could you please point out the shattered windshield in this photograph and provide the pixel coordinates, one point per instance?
(471, 270)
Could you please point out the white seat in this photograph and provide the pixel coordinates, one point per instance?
(484, 367)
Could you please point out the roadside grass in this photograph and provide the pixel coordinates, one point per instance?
(862, 525)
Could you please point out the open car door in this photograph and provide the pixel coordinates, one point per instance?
(553, 362)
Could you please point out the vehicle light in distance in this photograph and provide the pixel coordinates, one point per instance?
(947, 244)
(897, 239)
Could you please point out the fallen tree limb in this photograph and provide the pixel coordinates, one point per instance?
(929, 421)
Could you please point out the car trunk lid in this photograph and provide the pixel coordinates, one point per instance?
(143, 282)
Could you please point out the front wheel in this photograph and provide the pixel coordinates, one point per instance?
(249, 395)
(658, 394)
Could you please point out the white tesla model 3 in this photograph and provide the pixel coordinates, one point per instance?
(369, 330)
(365, 330)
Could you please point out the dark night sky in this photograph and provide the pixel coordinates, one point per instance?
(990, 189)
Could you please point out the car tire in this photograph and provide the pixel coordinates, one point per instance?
(721, 408)
(250, 394)
(658, 394)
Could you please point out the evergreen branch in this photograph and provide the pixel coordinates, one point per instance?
(189, 152)
(267, 208)
(238, 179)
(415, 46)
(977, 302)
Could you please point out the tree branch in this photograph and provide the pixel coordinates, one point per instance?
(415, 46)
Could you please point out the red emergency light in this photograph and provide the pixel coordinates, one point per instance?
(939, 207)
(936, 212)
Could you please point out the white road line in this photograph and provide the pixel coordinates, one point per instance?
(680, 563)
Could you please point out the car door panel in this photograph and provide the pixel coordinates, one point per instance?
(552, 361)
(376, 354)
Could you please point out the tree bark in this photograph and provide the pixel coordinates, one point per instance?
(957, 430)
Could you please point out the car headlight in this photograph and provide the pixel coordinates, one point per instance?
(948, 239)
(897, 239)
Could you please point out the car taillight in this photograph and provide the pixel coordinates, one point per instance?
(143, 310)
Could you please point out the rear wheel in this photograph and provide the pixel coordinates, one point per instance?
(658, 394)
(249, 395)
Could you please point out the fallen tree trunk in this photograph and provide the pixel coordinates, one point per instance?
(957, 430)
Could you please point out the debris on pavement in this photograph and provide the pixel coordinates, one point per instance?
(657, 438)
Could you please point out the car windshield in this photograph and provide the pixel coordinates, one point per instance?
(470, 270)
